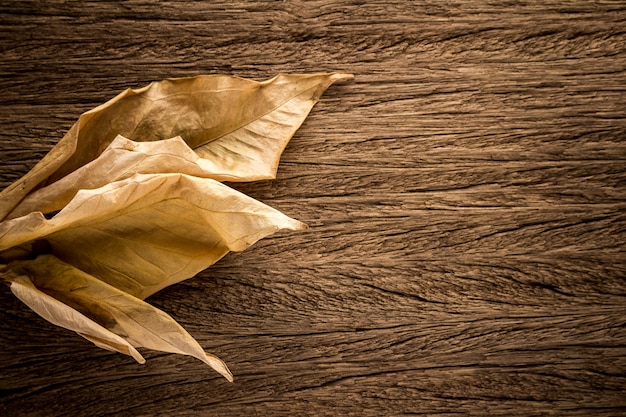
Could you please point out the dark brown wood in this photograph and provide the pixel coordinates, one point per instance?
(466, 195)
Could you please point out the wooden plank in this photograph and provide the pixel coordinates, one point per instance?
(466, 195)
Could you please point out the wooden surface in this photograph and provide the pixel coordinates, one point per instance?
(466, 195)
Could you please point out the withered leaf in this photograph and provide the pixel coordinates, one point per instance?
(241, 125)
(149, 231)
(120, 160)
(134, 320)
(62, 315)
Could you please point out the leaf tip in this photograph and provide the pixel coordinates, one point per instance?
(341, 76)
(218, 365)
(298, 225)
(293, 224)
(138, 357)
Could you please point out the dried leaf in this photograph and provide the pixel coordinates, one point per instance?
(137, 322)
(241, 125)
(149, 231)
(62, 315)
(122, 159)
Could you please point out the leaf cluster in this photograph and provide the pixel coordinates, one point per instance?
(131, 200)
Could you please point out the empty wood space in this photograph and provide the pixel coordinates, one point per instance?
(466, 197)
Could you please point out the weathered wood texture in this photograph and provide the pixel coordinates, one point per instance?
(466, 195)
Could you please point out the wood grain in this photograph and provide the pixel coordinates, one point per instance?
(466, 195)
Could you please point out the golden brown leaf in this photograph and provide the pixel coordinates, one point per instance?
(135, 321)
(122, 159)
(62, 315)
(149, 231)
(241, 125)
